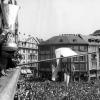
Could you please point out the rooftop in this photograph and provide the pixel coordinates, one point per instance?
(65, 39)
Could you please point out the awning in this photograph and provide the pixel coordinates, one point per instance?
(25, 71)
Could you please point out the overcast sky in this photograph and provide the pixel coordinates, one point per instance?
(47, 18)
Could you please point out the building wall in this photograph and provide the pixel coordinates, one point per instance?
(47, 51)
(29, 51)
(94, 57)
(94, 60)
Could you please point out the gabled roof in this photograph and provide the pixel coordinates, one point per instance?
(32, 40)
(65, 39)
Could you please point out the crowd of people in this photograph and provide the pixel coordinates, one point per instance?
(48, 90)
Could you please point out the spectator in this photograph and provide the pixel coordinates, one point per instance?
(49, 90)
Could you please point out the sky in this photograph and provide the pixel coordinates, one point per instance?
(47, 18)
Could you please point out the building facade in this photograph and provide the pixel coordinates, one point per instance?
(29, 51)
(94, 56)
(76, 43)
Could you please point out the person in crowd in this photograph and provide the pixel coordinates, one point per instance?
(49, 90)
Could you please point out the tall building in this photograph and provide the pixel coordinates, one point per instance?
(93, 59)
(29, 51)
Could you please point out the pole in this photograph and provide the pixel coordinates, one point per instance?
(54, 59)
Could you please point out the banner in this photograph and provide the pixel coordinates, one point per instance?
(61, 52)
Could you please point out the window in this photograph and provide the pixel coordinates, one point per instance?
(23, 50)
(35, 57)
(28, 45)
(77, 67)
(19, 44)
(36, 52)
(45, 52)
(74, 40)
(83, 48)
(23, 56)
(89, 40)
(75, 59)
(82, 66)
(42, 52)
(28, 51)
(29, 57)
(22, 43)
(93, 56)
(76, 48)
(94, 65)
(82, 58)
(33, 45)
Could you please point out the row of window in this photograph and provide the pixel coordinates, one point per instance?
(75, 66)
(80, 58)
(29, 57)
(94, 40)
(75, 59)
(79, 48)
(29, 51)
(26, 44)
(80, 66)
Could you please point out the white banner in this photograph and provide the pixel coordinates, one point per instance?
(65, 52)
